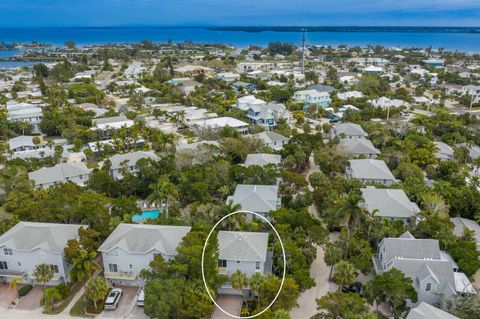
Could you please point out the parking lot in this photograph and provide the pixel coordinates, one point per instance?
(126, 305)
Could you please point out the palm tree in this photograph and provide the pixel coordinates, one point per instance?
(96, 289)
(162, 191)
(51, 296)
(344, 274)
(83, 266)
(234, 222)
(351, 213)
(332, 255)
(239, 280)
(256, 283)
(43, 273)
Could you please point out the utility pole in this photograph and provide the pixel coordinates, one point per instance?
(303, 52)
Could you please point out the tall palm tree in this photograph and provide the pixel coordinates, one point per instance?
(256, 282)
(344, 274)
(239, 280)
(96, 289)
(162, 191)
(52, 295)
(83, 266)
(43, 273)
(351, 213)
(234, 222)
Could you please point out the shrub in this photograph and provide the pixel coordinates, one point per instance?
(64, 290)
(24, 290)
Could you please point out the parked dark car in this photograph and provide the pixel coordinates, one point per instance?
(355, 288)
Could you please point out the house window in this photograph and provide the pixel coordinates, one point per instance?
(130, 266)
(428, 287)
(113, 267)
(54, 268)
(238, 261)
(8, 251)
(3, 265)
(222, 263)
(257, 265)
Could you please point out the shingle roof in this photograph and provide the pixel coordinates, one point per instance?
(19, 141)
(256, 198)
(408, 247)
(349, 129)
(270, 137)
(27, 236)
(134, 238)
(358, 146)
(389, 202)
(243, 246)
(262, 159)
(370, 169)
(426, 311)
(131, 158)
(58, 173)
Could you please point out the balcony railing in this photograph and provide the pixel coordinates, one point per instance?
(125, 275)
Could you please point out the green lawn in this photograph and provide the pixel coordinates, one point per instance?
(78, 309)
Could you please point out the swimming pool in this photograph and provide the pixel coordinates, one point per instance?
(146, 214)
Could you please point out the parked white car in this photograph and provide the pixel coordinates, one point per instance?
(113, 299)
(141, 298)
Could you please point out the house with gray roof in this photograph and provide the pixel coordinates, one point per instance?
(128, 161)
(444, 151)
(131, 247)
(25, 143)
(370, 170)
(259, 199)
(262, 159)
(388, 203)
(426, 311)
(25, 112)
(348, 130)
(28, 244)
(461, 224)
(244, 251)
(431, 270)
(356, 147)
(273, 140)
(261, 115)
(45, 177)
(473, 150)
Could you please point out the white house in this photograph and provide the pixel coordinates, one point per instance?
(388, 203)
(228, 76)
(221, 122)
(272, 139)
(431, 270)
(25, 112)
(313, 97)
(259, 199)
(45, 177)
(426, 311)
(29, 244)
(128, 161)
(348, 130)
(131, 247)
(356, 147)
(246, 102)
(370, 170)
(350, 95)
(444, 151)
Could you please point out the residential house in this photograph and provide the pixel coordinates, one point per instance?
(390, 204)
(131, 247)
(373, 69)
(221, 122)
(426, 311)
(194, 70)
(240, 86)
(370, 170)
(473, 91)
(246, 102)
(273, 140)
(431, 270)
(259, 199)
(309, 97)
(348, 130)
(444, 151)
(109, 124)
(473, 150)
(322, 88)
(228, 76)
(356, 147)
(244, 251)
(25, 112)
(128, 162)
(45, 177)
(279, 111)
(350, 95)
(261, 115)
(462, 224)
(24, 143)
(28, 244)
(385, 102)
(262, 159)
(435, 63)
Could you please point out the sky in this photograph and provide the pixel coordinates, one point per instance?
(93, 13)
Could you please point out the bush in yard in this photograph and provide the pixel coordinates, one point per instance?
(64, 290)
(24, 290)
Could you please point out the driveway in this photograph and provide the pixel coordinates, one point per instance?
(7, 295)
(137, 313)
(31, 301)
(125, 306)
(231, 304)
(307, 305)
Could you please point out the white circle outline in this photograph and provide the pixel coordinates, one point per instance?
(284, 264)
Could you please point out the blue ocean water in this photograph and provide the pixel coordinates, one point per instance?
(57, 36)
